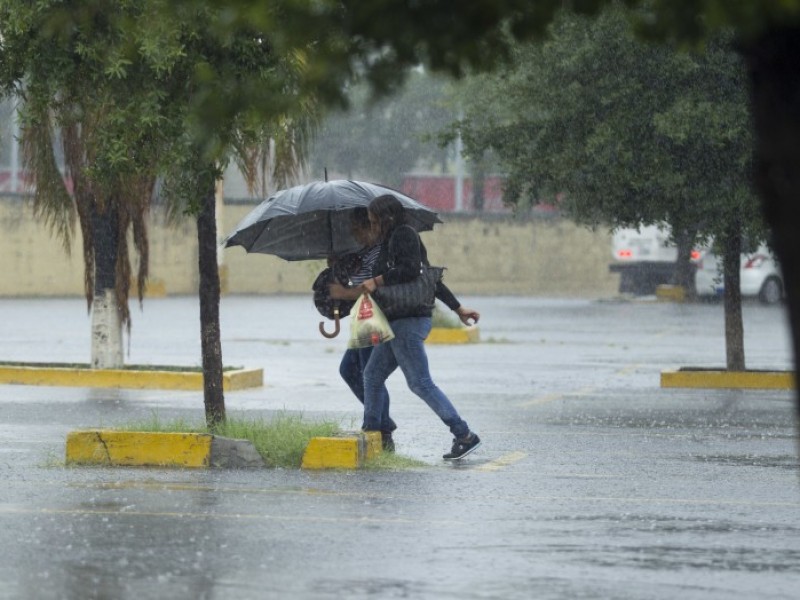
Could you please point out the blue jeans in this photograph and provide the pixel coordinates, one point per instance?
(351, 369)
(407, 351)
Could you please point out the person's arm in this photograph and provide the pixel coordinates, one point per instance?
(340, 292)
(466, 315)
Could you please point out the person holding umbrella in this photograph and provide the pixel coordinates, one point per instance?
(399, 261)
(351, 368)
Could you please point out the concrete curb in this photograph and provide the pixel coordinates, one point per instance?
(718, 379)
(125, 378)
(159, 449)
(345, 451)
(459, 335)
(670, 293)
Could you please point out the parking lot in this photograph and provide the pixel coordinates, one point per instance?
(592, 482)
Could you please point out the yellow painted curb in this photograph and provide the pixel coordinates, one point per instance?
(447, 335)
(134, 448)
(702, 378)
(346, 451)
(241, 379)
(125, 378)
(671, 293)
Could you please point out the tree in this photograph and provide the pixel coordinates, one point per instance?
(195, 161)
(630, 133)
(120, 88)
(768, 38)
(70, 91)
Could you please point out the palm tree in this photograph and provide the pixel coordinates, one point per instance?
(108, 207)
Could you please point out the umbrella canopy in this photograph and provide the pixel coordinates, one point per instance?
(313, 220)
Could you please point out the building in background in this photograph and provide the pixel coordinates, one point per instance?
(439, 192)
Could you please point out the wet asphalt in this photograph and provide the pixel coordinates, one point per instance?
(592, 482)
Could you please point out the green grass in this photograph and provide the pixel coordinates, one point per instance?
(280, 441)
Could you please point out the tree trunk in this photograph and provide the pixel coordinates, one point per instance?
(106, 313)
(775, 103)
(684, 267)
(734, 331)
(211, 344)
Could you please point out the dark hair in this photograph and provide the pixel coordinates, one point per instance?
(389, 212)
(359, 217)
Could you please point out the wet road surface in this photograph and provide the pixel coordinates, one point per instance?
(592, 482)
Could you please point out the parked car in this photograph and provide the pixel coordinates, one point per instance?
(644, 258)
(760, 276)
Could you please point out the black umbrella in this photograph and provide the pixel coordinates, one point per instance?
(313, 220)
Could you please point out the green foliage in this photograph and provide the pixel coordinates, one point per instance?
(200, 43)
(628, 131)
(691, 22)
(339, 39)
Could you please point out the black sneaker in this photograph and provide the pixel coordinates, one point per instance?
(387, 443)
(462, 447)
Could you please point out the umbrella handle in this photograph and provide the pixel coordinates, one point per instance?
(336, 328)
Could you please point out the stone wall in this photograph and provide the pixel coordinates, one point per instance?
(484, 255)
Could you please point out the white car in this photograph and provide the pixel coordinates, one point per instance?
(760, 276)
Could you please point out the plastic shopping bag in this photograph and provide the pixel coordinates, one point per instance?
(368, 325)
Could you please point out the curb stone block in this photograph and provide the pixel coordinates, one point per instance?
(158, 449)
(125, 378)
(670, 293)
(720, 379)
(344, 451)
(456, 335)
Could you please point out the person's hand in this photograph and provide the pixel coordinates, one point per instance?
(370, 285)
(467, 314)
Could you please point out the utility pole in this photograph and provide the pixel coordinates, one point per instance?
(459, 200)
(14, 180)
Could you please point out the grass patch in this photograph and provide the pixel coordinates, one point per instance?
(155, 425)
(281, 441)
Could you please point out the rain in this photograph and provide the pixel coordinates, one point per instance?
(594, 480)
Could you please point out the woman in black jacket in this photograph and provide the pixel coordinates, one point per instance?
(401, 255)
